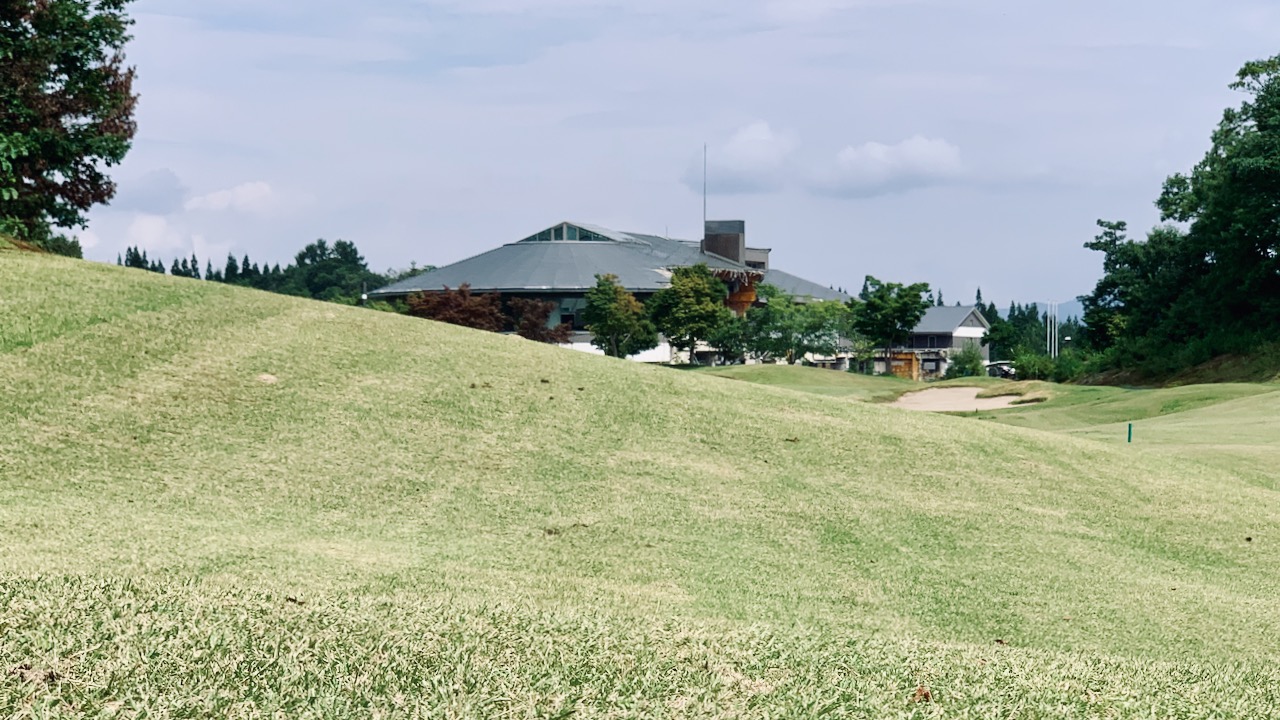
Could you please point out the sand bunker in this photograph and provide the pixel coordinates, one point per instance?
(953, 399)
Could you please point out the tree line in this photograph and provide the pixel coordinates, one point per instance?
(1206, 282)
(333, 272)
(692, 310)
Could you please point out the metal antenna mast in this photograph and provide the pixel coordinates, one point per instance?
(704, 185)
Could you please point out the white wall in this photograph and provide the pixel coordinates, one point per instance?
(660, 354)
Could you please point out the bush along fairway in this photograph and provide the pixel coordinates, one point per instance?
(217, 502)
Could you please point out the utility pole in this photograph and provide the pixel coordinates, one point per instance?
(704, 186)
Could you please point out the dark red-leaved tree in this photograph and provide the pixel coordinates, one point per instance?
(460, 307)
(66, 112)
(532, 321)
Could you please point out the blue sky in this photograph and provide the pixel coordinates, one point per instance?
(963, 144)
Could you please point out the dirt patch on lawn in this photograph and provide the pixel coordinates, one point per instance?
(953, 399)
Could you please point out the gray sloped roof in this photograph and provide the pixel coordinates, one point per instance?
(945, 319)
(800, 288)
(640, 261)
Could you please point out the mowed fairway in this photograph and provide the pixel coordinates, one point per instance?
(221, 503)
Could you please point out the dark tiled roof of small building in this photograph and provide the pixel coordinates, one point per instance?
(800, 288)
(945, 319)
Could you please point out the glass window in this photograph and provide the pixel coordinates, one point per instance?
(573, 232)
(558, 233)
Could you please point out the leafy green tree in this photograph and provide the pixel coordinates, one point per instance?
(1211, 284)
(691, 308)
(781, 327)
(731, 339)
(617, 321)
(966, 363)
(337, 273)
(66, 111)
(1001, 340)
(890, 311)
(1034, 366)
(1104, 307)
(1067, 366)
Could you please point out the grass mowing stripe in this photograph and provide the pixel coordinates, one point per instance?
(486, 526)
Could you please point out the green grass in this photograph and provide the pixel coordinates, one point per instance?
(475, 525)
(1262, 365)
(1077, 407)
(867, 388)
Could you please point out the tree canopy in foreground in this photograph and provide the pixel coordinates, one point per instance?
(66, 111)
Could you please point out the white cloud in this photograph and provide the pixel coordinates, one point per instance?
(209, 252)
(153, 233)
(873, 168)
(756, 159)
(158, 192)
(254, 197)
(89, 239)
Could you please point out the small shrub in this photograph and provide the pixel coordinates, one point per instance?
(459, 307)
(531, 318)
(1032, 366)
(966, 363)
(1067, 367)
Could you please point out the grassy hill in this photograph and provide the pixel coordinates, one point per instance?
(868, 388)
(218, 502)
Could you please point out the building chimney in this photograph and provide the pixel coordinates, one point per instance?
(726, 239)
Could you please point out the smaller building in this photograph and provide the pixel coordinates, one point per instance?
(940, 334)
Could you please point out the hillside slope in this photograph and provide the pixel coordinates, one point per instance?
(237, 503)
